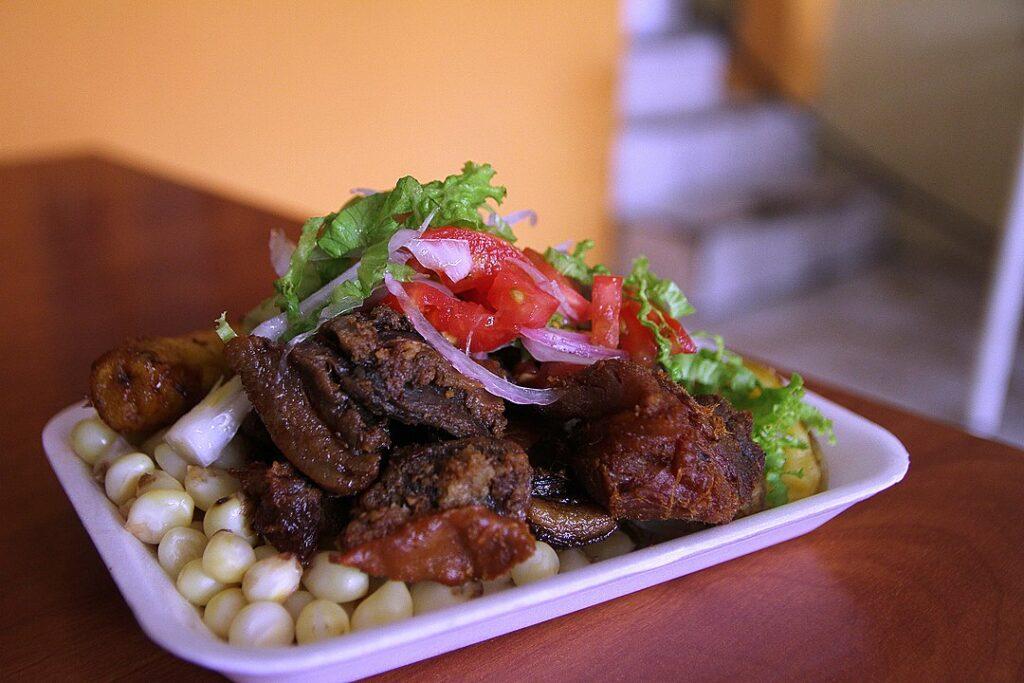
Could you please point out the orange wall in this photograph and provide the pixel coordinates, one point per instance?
(293, 103)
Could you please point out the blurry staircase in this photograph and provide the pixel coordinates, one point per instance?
(728, 197)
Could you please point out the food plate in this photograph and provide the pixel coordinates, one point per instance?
(866, 460)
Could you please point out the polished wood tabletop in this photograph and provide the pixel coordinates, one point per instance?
(922, 582)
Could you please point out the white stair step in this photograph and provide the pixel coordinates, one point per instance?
(644, 18)
(673, 75)
(718, 153)
(745, 261)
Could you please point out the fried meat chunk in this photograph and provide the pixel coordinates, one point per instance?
(385, 365)
(448, 512)
(341, 453)
(645, 449)
(287, 509)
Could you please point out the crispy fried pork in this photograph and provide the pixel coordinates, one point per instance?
(645, 449)
(447, 512)
(145, 384)
(340, 453)
(385, 365)
(287, 509)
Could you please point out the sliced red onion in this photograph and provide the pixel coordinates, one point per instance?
(564, 247)
(498, 386)
(363, 191)
(547, 344)
(450, 256)
(281, 249)
(513, 218)
(548, 285)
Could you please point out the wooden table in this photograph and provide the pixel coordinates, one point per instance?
(923, 582)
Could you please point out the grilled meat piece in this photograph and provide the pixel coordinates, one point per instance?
(449, 547)
(447, 512)
(340, 462)
(647, 450)
(145, 384)
(418, 480)
(385, 365)
(287, 509)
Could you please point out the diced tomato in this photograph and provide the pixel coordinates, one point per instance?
(638, 341)
(457, 320)
(518, 301)
(606, 302)
(578, 308)
(489, 253)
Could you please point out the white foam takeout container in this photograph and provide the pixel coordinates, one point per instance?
(865, 460)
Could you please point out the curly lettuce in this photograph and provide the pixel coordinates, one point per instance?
(361, 229)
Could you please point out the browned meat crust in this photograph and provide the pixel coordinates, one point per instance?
(645, 449)
(450, 547)
(343, 463)
(146, 384)
(385, 365)
(419, 480)
(287, 509)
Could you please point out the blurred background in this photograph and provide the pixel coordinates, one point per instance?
(830, 181)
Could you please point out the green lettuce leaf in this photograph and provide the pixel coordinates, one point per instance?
(362, 228)
(775, 410)
(573, 264)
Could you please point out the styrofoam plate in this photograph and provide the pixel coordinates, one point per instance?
(865, 460)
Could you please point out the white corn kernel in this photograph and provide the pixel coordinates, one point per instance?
(157, 480)
(91, 438)
(428, 596)
(155, 439)
(613, 546)
(265, 551)
(227, 557)
(155, 513)
(319, 620)
(389, 603)
(542, 564)
(197, 524)
(571, 558)
(296, 601)
(262, 624)
(229, 513)
(196, 585)
(272, 579)
(207, 485)
(222, 609)
(178, 547)
(170, 462)
(123, 476)
(335, 582)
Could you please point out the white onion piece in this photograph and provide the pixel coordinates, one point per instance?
(498, 386)
(547, 344)
(450, 256)
(281, 249)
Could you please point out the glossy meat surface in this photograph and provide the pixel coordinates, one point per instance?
(385, 365)
(342, 463)
(287, 509)
(145, 384)
(450, 547)
(419, 480)
(645, 449)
